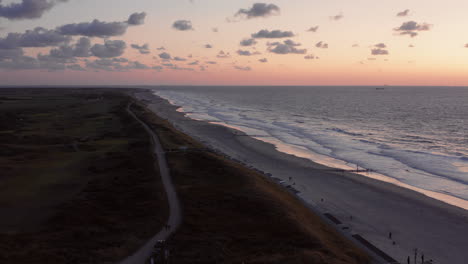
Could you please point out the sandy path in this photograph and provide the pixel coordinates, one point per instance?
(175, 216)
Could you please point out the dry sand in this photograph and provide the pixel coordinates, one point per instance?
(369, 207)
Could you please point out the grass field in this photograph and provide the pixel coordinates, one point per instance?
(78, 183)
(232, 214)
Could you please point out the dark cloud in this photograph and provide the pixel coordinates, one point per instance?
(143, 49)
(321, 45)
(259, 10)
(20, 63)
(165, 56)
(240, 68)
(264, 60)
(411, 28)
(182, 25)
(27, 9)
(313, 29)
(39, 37)
(75, 67)
(403, 13)
(110, 49)
(95, 28)
(337, 17)
(208, 46)
(273, 34)
(248, 42)
(116, 64)
(223, 55)
(286, 47)
(137, 19)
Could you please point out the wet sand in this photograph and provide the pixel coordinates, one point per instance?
(371, 208)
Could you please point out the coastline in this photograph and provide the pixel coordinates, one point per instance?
(369, 207)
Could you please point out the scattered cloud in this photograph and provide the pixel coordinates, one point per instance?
(411, 46)
(193, 63)
(321, 45)
(240, 68)
(286, 47)
(355, 45)
(264, 60)
(313, 29)
(223, 55)
(143, 49)
(110, 49)
(379, 49)
(208, 46)
(183, 25)
(179, 59)
(248, 42)
(136, 19)
(259, 10)
(337, 17)
(466, 45)
(273, 34)
(411, 28)
(161, 48)
(165, 56)
(95, 28)
(310, 57)
(403, 13)
(215, 30)
(39, 37)
(27, 9)
(211, 62)
(247, 53)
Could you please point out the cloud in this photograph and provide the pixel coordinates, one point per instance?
(246, 53)
(161, 48)
(165, 56)
(411, 46)
(75, 67)
(379, 49)
(337, 17)
(273, 34)
(380, 45)
(137, 19)
(95, 28)
(223, 55)
(39, 37)
(110, 49)
(215, 30)
(240, 68)
(10, 53)
(355, 45)
(248, 42)
(211, 62)
(313, 29)
(310, 57)
(193, 63)
(179, 59)
(466, 45)
(182, 25)
(403, 13)
(20, 63)
(259, 10)
(321, 45)
(287, 47)
(143, 49)
(264, 60)
(27, 9)
(411, 27)
(80, 49)
(208, 46)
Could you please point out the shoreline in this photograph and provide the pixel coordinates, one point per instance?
(369, 207)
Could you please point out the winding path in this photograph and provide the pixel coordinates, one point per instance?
(175, 216)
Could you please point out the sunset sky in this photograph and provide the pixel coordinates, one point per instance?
(180, 42)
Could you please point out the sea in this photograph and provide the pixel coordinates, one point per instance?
(415, 136)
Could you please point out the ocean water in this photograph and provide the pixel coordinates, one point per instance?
(415, 135)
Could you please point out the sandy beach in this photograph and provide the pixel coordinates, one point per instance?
(370, 208)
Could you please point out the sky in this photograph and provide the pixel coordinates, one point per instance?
(226, 42)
